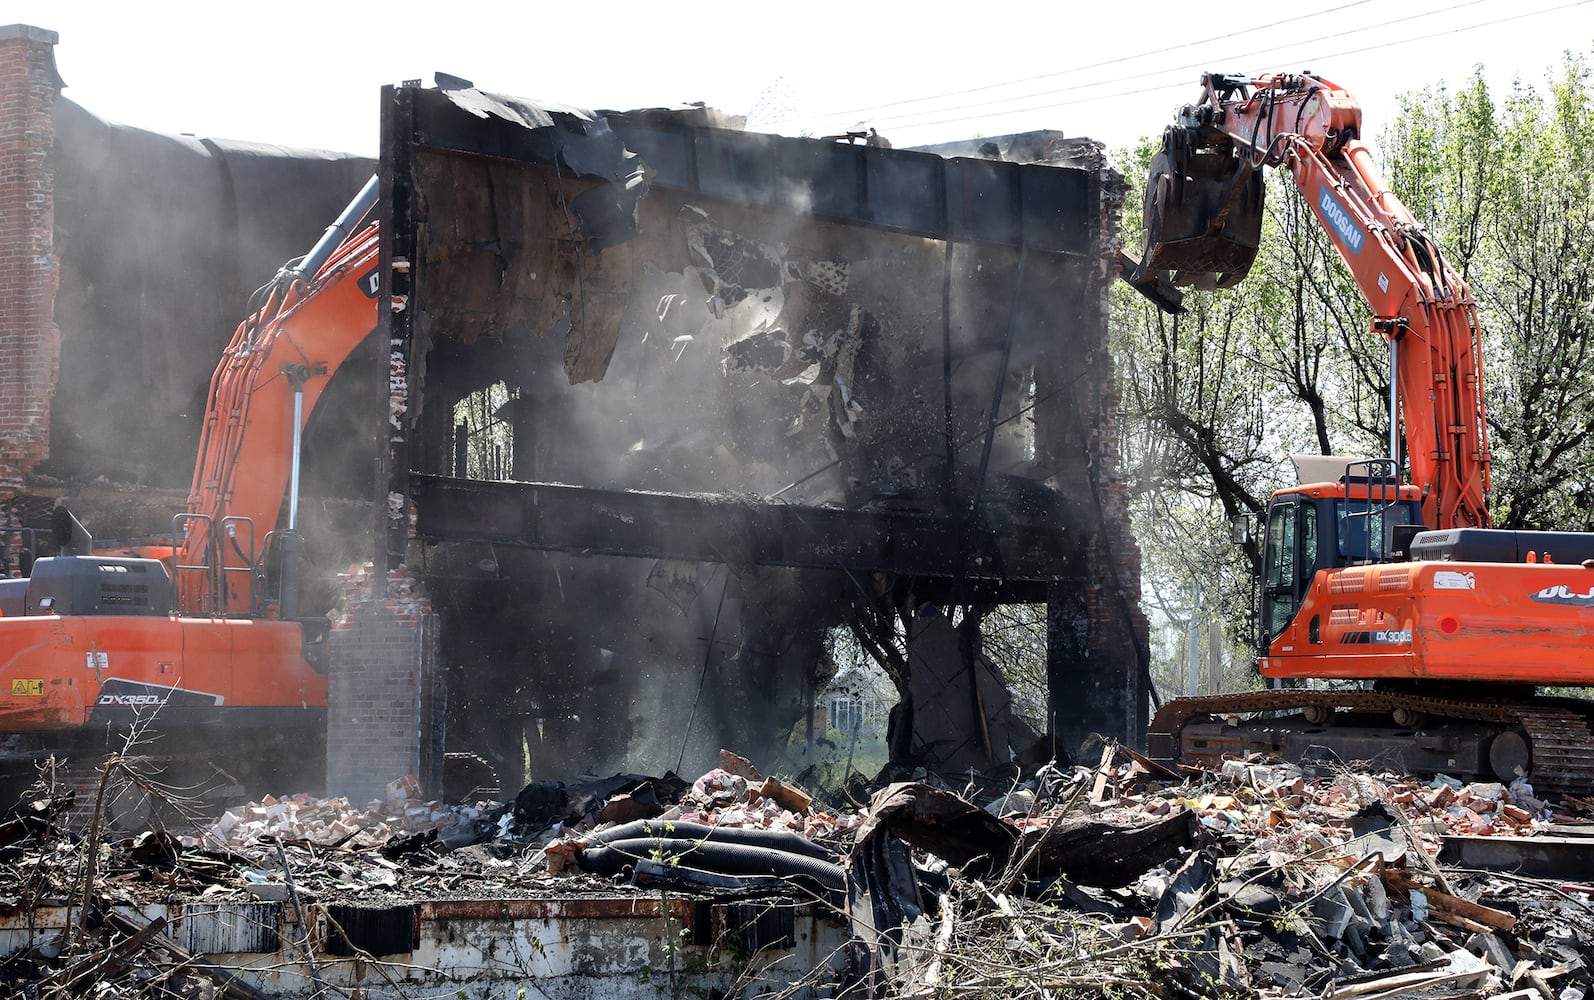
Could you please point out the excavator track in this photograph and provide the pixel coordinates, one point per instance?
(1562, 742)
(1552, 740)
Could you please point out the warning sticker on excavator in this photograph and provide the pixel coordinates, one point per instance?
(28, 687)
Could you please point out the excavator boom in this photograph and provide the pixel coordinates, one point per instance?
(1203, 210)
(309, 319)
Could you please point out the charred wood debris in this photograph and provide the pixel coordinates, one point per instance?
(1126, 879)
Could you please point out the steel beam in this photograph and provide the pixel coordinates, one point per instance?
(738, 531)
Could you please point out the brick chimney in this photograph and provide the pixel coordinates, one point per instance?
(30, 347)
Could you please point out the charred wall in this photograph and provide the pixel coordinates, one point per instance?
(739, 373)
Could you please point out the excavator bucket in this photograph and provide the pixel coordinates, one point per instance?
(1203, 210)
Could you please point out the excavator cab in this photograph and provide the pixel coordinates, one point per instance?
(1361, 516)
(1203, 210)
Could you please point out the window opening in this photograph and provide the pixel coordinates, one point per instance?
(484, 436)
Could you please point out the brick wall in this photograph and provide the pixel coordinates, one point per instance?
(384, 712)
(30, 348)
(1118, 618)
(1097, 631)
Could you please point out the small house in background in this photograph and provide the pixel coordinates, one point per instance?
(858, 700)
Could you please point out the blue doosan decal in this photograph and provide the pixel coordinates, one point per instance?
(1340, 221)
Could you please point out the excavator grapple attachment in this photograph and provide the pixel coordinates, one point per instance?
(1203, 210)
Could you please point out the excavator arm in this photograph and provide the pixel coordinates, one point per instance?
(234, 684)
(1203, 212)
(302, 327)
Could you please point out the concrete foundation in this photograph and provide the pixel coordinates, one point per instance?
(614, 948)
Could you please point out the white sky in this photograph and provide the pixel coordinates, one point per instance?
(309, 74)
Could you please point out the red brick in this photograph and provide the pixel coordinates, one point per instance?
(29, 269)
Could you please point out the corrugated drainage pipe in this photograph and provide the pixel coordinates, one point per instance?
(778, 840)
(708, 855)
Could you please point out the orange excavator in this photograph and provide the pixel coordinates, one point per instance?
(1440, 632)
(199, 644)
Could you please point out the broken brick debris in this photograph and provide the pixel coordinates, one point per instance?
(333, 822)
(1251, 880)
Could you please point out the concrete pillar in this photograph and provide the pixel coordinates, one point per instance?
(385, 700)
(30, 344)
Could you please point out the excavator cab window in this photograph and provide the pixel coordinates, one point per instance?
(1365, 528)
(1291, 553)
(1307, 563)
(1282, 565)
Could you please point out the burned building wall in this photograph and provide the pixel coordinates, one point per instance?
(29, 267)
(162, 239)
(725, 350)
(647, 310)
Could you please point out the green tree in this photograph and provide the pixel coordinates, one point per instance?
(1508, 188)
(1216, 399)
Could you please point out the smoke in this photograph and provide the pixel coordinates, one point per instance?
(161, 238)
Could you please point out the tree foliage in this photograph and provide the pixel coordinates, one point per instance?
(1216, 399)
(1508, 188)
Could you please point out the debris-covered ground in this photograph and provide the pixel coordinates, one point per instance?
(1126, 879)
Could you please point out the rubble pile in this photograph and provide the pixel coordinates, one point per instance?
(1253, 880)
(336, 822)
(1281, 885)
